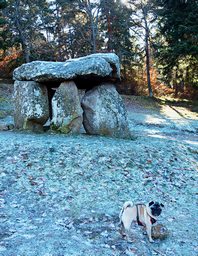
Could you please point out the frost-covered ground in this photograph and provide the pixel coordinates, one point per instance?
(61, 195)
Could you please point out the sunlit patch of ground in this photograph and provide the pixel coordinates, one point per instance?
(177, 112)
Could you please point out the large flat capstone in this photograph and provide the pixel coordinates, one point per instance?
(99, 64)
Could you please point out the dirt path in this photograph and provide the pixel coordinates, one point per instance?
(151, 118)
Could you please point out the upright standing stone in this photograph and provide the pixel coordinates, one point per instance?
(31, 105)
(104, 112)
(66, 109)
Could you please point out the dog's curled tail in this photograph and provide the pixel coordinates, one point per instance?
(125, 205)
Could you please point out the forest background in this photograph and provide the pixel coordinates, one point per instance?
(156, 40)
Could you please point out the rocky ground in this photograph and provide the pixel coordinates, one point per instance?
(61, 195)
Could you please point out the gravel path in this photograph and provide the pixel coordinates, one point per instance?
(61, 195)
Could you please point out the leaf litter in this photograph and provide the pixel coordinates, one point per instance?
(62, 195)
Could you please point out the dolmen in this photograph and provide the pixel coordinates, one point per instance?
(66, 96)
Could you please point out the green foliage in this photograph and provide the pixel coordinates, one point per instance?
(24, 22)
(177, 49)
(3, 4)
(61, 29)
(115, 26)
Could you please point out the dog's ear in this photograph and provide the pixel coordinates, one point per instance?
(161, 205)
(151, 203)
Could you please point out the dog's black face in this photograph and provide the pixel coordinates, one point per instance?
(156, 208)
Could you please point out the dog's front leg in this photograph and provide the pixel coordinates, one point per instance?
(148, 230)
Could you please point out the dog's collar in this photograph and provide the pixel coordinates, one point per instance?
(138, 218)
(152, 220)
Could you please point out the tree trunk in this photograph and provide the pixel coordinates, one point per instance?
(22, 36)
(147, 34)
(176, 84)
(93, 26)
(26, 52)
(148, 66)
(109, 47)
(93, 37)
(58, 32)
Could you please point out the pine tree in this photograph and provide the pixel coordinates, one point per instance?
(24, 23)
(177, 50)
(3, 4)
(2, 26)
(115, 27)
(142, 20)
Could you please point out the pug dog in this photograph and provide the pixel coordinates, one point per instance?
(144, 214)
